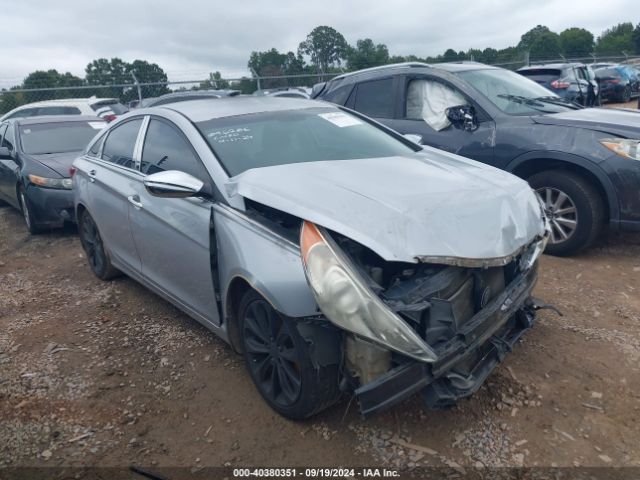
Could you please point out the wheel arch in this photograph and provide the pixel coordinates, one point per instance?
(535, 162)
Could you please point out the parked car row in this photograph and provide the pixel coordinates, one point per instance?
(320, 239)
(587, 85)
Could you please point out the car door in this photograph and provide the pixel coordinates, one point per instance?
(8, 166)
(111, 179)
(172, 235)
(436, 131)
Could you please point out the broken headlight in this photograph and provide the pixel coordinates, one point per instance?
(346, 300)
(623, 146)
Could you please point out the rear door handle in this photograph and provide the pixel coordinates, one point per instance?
(135, 201)
(92, 176)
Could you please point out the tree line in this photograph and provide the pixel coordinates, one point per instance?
(323, 51)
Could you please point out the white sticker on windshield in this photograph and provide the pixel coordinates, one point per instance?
(340, 119)
(98, 125)
(231, 135)
(26, 131)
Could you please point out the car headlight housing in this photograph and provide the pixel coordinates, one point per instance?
(346, 300)
(58, 183)
(623, 146)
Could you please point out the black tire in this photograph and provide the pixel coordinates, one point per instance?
(279, 363)
(27, 212)
(97, 256)
(625, 96)
(588, 207)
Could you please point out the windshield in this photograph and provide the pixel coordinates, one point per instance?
(514, 94)
(40, 138)
(293, 136)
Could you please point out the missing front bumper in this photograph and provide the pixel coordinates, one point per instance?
(465, 361)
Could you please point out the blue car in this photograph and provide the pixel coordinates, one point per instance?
(619, 83)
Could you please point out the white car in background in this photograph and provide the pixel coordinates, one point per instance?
(106, 108)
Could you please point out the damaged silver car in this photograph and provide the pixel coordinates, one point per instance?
(336, 255)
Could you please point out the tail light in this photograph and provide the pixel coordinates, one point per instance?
(110, 117)
(72, 171)
(613, 80)
(560, 85)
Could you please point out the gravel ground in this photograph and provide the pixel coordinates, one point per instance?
(108, 374)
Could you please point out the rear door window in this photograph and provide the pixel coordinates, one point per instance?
(375, 98)
(8, 139)
(165, 148)
(121, 142)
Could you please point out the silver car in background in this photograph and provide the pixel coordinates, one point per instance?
(335, 254)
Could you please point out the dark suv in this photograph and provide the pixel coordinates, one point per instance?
(583, 162)
(573, 81)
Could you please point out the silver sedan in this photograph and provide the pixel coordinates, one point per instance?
(336, 255)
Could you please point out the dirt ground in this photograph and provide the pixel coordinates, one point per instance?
(107, 373)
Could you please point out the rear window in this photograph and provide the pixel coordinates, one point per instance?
(113, 105)
(41, 138)
(608, 72)
(552, 72)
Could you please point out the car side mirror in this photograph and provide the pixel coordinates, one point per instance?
(5, 153)
(463, 116)
(173, 184)
(413, 137)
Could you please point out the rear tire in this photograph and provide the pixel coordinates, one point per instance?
(574, 207)
(93, 246)
(279, 363)
(27, 212)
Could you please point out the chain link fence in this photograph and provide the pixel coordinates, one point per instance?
(132, 93)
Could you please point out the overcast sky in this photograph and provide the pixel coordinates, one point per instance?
(190, 38)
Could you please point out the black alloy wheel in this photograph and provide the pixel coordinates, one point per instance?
(280, 364)
(94, 248)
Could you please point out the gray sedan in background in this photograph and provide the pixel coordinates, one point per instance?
(335, 254)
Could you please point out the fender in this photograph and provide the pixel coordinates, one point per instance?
(593, 168)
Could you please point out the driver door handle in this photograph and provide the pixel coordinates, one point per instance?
(135, 201)
(92, 176)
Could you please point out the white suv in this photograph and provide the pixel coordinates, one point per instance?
(107, 108)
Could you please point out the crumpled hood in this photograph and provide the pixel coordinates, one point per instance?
(431, 204)
(58, 162)
(623, 122)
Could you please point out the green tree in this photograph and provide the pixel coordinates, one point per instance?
(326, 48)
(527, 39)
(541, 43)
(367, 54)
(636, 38)
(108, 72)
(576, 42)
(489, 55)
(10, 100)
(615, 40)
(545, 46)
(145, 72)
(450, 55)
(50, 79)
(270, 63)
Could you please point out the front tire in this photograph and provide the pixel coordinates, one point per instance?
(279, 363)
(625, 97)
(574, 207)
(27, 212)
(93, 246)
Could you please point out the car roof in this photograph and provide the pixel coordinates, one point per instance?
(55, 119)
(68, 101)
(452, 67)
(551, 66)
(202, 110)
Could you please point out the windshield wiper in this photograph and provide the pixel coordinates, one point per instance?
(559, 101)
(520, 99)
